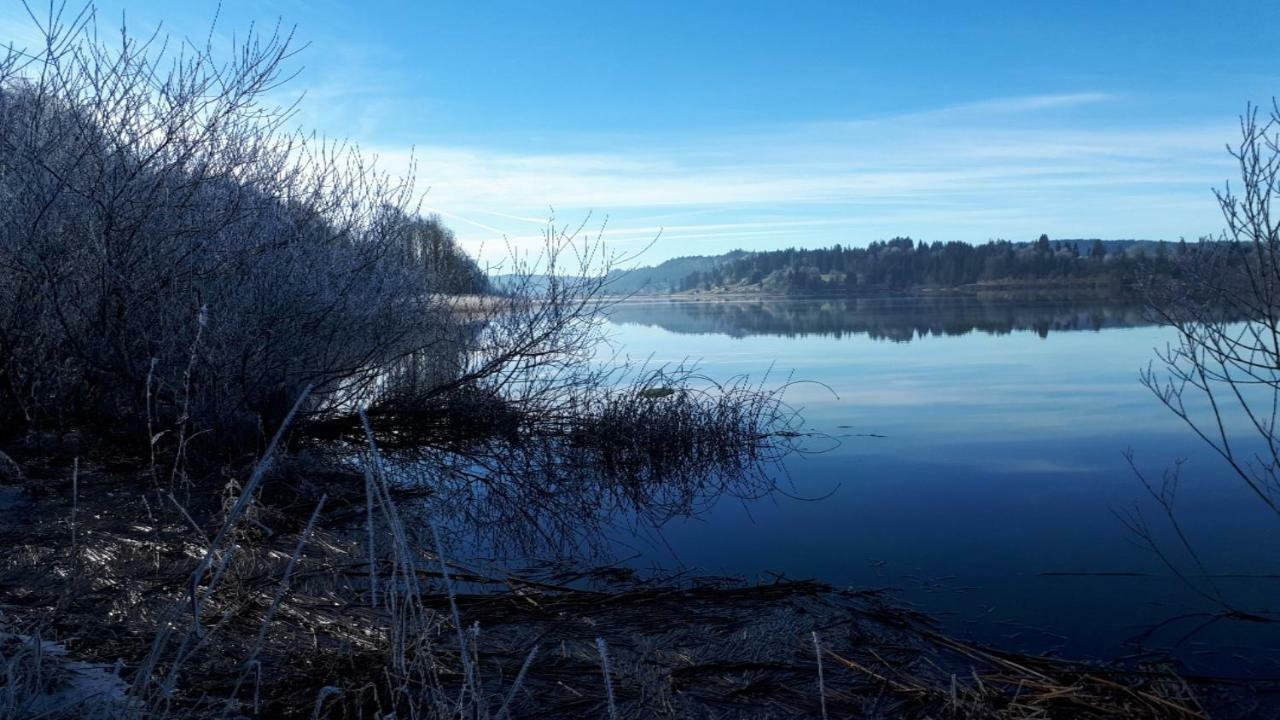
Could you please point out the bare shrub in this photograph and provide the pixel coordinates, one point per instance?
(1221, 375)
(170, 247)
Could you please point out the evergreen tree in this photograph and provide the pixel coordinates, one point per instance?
(903, 264)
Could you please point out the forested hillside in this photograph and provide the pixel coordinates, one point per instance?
(902, 264)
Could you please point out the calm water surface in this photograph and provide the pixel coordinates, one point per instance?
(975, 464)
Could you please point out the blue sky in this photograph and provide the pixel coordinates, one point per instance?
(758, 125)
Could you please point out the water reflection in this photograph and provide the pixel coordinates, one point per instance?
(893, 319)
(979, 471)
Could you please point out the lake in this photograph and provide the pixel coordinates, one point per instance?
(970, 454)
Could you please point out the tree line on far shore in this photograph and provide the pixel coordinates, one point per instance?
(903, 263)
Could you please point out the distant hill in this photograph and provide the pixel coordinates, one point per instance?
(529, 283)
(654, 279)
(508, 283)
(665, 277)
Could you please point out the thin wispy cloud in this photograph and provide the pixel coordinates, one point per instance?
(969, 172)
(1034, 102)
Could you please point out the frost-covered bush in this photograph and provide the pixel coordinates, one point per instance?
(171, 253)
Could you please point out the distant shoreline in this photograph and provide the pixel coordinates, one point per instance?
(987, 290)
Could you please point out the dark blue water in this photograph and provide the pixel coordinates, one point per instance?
(992, 498)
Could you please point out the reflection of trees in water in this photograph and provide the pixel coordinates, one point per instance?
(894, 319)
(516, 471)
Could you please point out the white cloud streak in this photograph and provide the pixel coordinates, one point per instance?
(1001, 168)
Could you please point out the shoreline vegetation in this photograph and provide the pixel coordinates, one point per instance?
(251, 450)
(1085, 269)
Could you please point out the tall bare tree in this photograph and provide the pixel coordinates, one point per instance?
(1221, 374)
